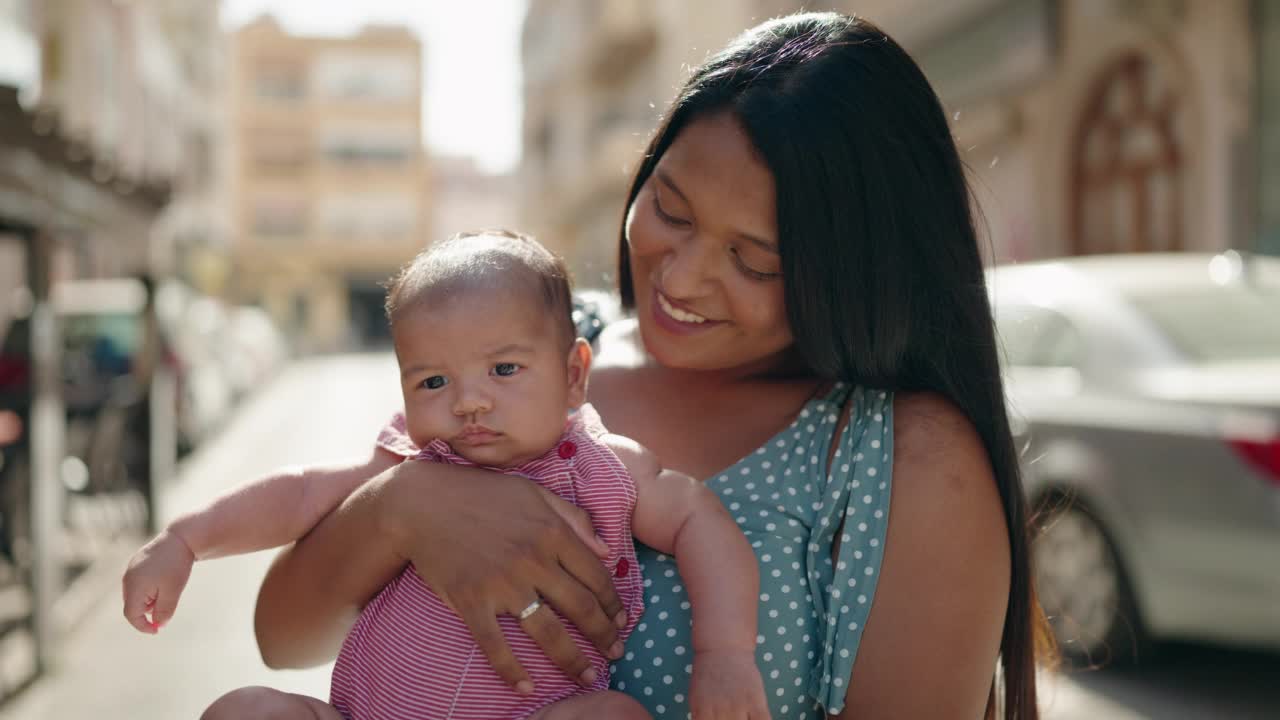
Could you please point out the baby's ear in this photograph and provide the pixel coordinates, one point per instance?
(579, 366)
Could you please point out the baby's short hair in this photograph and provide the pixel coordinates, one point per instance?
(496, 258)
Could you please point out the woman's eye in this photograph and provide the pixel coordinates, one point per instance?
(505, 369)
(751, 272)
(435, 382)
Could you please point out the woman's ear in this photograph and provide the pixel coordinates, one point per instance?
(579, 368)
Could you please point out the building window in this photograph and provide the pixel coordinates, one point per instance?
(385, 146)
(275, 152)
(279, 216)
(279, 80)
(369, 216)
(357, 153)
(544, 142)
(347, 75)
(1127, 166)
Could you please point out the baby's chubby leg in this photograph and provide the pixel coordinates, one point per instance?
(588, 706)
(263, 703)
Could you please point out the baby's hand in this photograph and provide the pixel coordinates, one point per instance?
(154, 579)
(727, 686)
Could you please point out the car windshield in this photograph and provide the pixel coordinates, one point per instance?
(106, 342)
(1239, 322)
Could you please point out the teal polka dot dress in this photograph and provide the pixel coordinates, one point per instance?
(790, 503)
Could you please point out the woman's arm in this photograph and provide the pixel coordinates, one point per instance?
(486, 543)
(930, 644)
(315, 589)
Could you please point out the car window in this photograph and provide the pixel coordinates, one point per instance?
(1061, 345)
(105, 344)
(1228, 323)
(1038, 337)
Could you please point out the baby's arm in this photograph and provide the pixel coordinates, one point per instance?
(269, 512)
(680, 516)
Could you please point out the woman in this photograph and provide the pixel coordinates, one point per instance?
(811, 335)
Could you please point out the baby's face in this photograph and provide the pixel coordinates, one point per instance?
(488, 373)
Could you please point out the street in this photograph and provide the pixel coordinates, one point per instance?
(330, 408)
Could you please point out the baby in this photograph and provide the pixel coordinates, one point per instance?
(490, 368)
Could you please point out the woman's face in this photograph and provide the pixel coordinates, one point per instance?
(704, 250)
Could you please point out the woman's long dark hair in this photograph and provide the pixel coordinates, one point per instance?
(884, 280)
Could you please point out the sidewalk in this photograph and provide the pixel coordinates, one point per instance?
(317, 410)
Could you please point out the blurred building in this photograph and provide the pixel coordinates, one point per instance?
(111, 116)
(107, 134)
(1090, 126)
(327, 178)
(463, 197)
(129, 90)
(596, 78)
(1266, 23)
(195, 232)
(1099, 126)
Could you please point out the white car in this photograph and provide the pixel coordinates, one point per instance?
(1146, 389)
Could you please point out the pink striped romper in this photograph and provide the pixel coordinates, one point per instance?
(410, 656)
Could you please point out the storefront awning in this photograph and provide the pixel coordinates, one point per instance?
(49, 180)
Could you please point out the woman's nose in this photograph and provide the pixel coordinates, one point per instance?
(687, 269)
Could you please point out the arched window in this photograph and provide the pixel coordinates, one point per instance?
(1127, 179)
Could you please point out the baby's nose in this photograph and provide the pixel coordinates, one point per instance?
(471, 402)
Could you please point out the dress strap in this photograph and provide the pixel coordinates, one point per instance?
(835, 393)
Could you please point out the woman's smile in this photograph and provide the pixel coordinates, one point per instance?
(672, 318)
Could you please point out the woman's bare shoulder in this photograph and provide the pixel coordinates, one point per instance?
(940, 460)
(934, 630)
(930, 430)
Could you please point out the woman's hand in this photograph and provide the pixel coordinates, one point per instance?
(491, 544)
(486, 543)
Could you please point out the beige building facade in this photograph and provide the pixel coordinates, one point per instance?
(1089, 126)
(133, 87)
(327, 175)
(464, 198)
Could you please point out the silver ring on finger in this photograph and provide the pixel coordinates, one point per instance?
(528, 612)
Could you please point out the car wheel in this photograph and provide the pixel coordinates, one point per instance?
(1084, 591)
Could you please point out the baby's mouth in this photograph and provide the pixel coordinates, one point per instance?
(477, 435)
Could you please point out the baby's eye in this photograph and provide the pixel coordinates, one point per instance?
(505, 369)
(435, 382)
